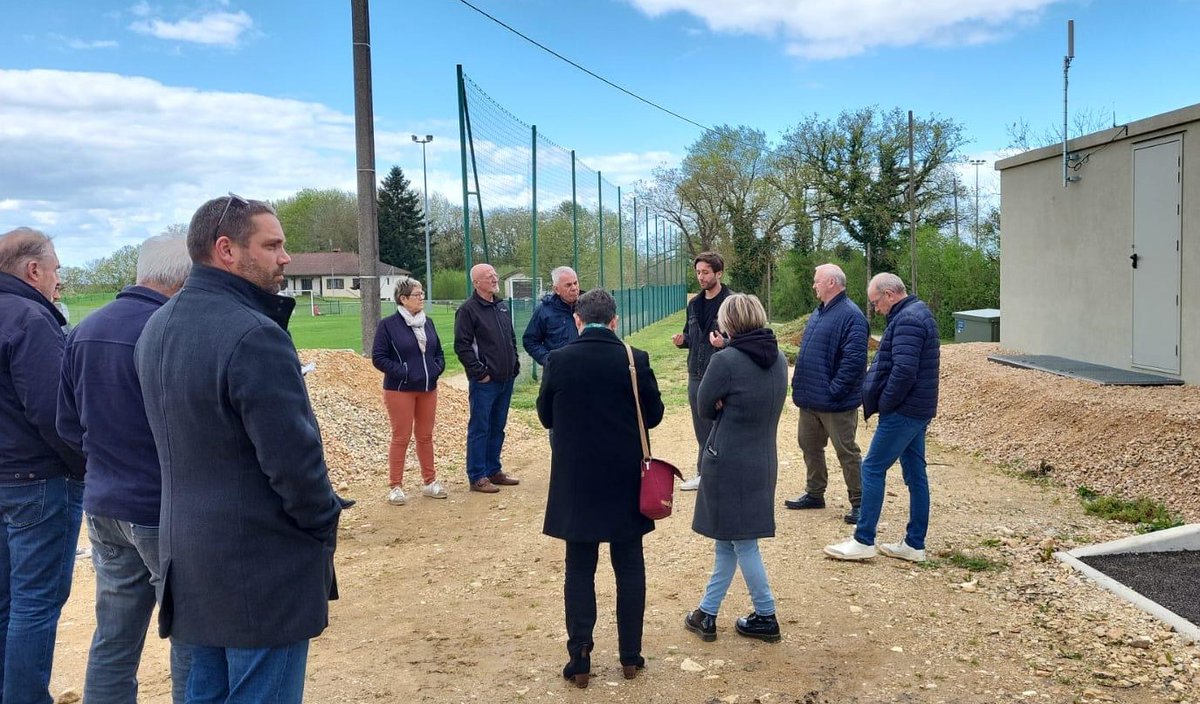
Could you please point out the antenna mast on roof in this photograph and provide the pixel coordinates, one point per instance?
(1067, 177)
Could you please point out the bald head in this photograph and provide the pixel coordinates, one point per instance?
(485, 281)
(828, 281)
(29, 255)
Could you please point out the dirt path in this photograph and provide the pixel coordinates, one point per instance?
(461, 600)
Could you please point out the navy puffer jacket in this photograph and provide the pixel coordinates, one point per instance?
(904, 376)
(550, 328)
(832, 359)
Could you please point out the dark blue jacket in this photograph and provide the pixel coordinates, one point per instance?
(832, 360)
(904, 376)
(551, 327)
(397, 354)
(249, 520)
(101, 413)
(31, 348)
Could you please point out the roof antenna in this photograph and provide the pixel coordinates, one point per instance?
(1067, 178)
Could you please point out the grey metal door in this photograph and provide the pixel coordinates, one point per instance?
(1156, 261)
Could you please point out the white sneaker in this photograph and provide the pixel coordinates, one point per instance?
(434, 490)
(850, 550)
(902, 551)
(691, 485)
(396, 497)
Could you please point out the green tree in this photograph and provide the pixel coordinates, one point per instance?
(319, 220)
(858, 166)
(401, 228)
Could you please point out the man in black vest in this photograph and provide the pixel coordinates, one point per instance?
(702, 339)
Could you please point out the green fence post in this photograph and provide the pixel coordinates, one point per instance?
(462, 136)
(623, 292)
(600, 222)
(636, 291)
(533, 224)
(574, 218)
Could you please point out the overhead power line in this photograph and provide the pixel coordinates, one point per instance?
(589, 72)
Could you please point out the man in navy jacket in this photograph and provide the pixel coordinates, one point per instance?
(101, 414)
(552, 324)
(827, 388)
(248, 524)
(902, 386)
(41, 477)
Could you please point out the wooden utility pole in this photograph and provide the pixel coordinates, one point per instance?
(368, 209)
(912, 205)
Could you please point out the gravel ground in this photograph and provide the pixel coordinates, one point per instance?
(1125, 440)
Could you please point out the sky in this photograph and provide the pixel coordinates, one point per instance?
(118, 118)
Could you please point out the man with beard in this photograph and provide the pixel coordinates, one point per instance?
(702, 339)
(248, 523)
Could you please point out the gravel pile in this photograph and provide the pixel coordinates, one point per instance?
(347, 397)
(1130, 441)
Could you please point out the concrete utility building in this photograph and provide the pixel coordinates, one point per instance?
(1106, 269)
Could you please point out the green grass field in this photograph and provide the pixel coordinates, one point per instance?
(668, 362)
(328, 331)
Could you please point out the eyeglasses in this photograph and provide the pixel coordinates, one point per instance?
(418, 294)
(232, 197)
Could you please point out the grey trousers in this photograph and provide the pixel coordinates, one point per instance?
(814, 432)
(702, 426)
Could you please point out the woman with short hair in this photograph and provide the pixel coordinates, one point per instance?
(742, 392)
(408, 352)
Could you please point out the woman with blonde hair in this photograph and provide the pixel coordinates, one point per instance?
(742, 393)
(408, 352)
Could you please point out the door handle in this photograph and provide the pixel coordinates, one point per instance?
(1133, 258)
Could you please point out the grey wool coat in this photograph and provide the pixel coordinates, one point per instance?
(740, 462)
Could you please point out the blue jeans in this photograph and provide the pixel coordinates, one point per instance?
(125, 556)
(40, 519)
(731, 554)
(897, 437)
(485, 429)
(247, 675)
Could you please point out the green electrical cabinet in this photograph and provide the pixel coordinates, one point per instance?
(981, 325)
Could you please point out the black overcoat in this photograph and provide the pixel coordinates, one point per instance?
(248, 524)
(587, 400)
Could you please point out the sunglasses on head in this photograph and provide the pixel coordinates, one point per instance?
(232, 197)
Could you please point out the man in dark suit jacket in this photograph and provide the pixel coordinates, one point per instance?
(248, 523)
(595, 479)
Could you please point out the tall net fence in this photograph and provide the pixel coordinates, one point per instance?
(532, 206)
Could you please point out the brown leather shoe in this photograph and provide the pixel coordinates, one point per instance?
(502, 479)
(485, 486)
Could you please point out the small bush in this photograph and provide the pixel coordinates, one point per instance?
(972, 563)
(1149, 515)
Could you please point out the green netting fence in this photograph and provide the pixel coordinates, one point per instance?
(529, 206)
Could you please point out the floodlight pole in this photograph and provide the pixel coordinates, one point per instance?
(425, 176)
(977, 163)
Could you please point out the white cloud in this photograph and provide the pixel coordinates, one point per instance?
(101, 160)
(104, 160)
(85, 44)
(215, 28)
(820, 29)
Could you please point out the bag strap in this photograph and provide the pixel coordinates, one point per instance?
(638, 403)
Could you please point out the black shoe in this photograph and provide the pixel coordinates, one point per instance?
(702, 624)
(344, 502)
(579, 668)
(760, 627)
(852, 517)
(805, 501)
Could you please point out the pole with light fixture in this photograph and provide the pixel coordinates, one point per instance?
(425, 177)
(977, 163)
